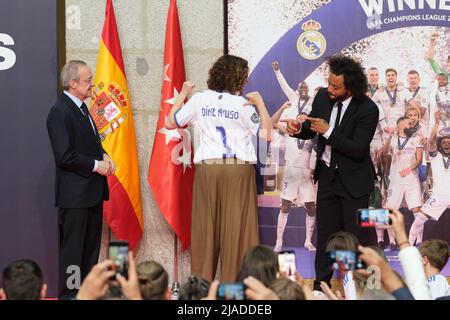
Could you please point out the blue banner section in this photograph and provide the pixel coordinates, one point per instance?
(330, 29)
(410, 36)
(28, 88)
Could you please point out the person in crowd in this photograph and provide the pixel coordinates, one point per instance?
(287, 289)
(153, 281)
(194, 289)
(23, 280)
(406, 151)
(81, 170)
(435, 254)
(224, 206)
(345, 241)
(432, 60)
(417, 95)
(439, 200)
(98, 281)
(392, 99)
(261, 263)
(345, 120)
(373, 78)
(410, 259)
(297, 184)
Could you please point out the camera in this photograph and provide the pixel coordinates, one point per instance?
(231, 291)
(118, 253)
(374, 218)
(344, 260)
(287, 262)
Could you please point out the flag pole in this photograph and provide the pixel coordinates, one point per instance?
(175, 257)
(175, 284)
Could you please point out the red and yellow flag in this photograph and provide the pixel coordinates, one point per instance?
(171, 171)
(111, 111)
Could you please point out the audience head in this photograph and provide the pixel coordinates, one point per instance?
(23, 280)
(342, 241)
(287, 289)
(194, 289)
(229, 73)
(153, 281)
(435, 253)
(261, 263)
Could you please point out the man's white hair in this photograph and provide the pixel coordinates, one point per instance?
(71, 72)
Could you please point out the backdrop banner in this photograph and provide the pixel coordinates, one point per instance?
(28, 88)
(287, 42)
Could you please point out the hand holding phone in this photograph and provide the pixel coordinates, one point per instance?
(374, 218)
(118, 253)
(287, 262)
(344, 260)
(231, 291)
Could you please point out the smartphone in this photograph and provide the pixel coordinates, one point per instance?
(231, 291)
(344, 260)
(287, 262)
(118, 253)
(373, 218)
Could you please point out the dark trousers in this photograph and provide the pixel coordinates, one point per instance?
(80, 232)
(336, 211)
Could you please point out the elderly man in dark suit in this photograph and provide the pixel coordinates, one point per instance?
(81, 185)
(345, 120)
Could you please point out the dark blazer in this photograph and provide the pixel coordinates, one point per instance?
(75, 147)
(350, 142)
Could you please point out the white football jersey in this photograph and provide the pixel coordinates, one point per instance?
(423, 97)
(379, 132)
(441, 175)
(223, 126)
(403, 157)
(349, 287)
(392, 111)
(298, 152)
(438, 286)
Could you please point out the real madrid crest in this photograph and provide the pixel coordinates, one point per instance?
(107, 108)
(311, 44)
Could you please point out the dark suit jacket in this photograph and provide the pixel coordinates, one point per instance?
(75, 148)
(350, 142)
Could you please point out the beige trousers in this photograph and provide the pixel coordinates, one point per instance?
(224, 219)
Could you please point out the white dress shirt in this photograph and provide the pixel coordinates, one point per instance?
(415, 278)
(326, 156)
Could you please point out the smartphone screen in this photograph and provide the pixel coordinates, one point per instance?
(374, 218)
(118, 253)
(344, 260)
(231, 291)
(287, 262)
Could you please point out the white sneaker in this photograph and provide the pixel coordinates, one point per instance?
(308, 245)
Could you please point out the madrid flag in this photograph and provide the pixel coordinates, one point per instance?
(111, 111)
(171, 173)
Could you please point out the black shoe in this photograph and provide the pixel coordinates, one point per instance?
(381, 245)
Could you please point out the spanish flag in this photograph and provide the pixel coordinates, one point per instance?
(111, 111)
